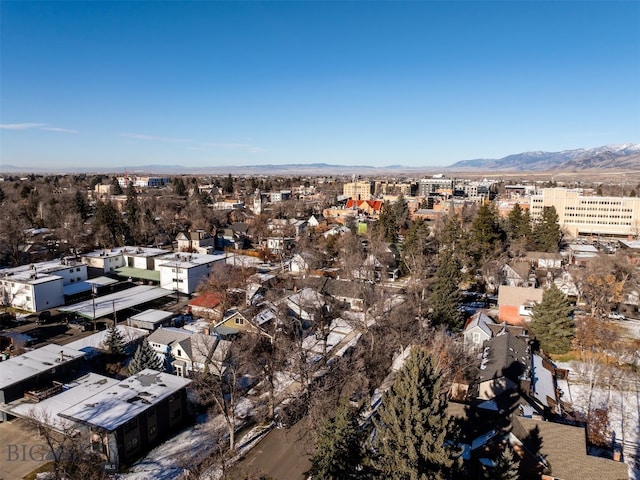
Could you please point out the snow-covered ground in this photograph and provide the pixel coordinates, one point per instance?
(171, 459)
(616, 391)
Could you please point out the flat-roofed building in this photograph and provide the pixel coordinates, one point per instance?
(35, 372)
(128, 418)
(589, 215)
(43, 285)
(358, 190)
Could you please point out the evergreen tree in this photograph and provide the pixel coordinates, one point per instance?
(114, 341)
(131, 206)
(552, 321)
(227, 186)
(446, 297)
(386, 224)
(518, 225)
(117, 189)
(414, 423)
(108, 217)
(145, 357)
(486, 234)
(2, 195)
(81, 204)
(547, 232)
(179, 188)
(507, 468)
(339, 453)
(452, 234)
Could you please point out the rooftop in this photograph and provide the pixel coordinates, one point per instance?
(118, 301)
(35, 362)
(123, 401)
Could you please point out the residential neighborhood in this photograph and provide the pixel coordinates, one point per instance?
(254, 321)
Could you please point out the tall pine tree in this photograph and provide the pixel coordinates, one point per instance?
(518, 225)
(414, 424)
(547, 232)
(486, 234)
(446, 297)
(339, 452)
(552, 321)
(114, 341)
(145, 357)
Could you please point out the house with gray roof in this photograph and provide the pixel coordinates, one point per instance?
(477, 331)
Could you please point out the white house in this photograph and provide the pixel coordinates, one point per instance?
(199, 353)
(477, 331)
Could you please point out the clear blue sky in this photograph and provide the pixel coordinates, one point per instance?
(358, 83)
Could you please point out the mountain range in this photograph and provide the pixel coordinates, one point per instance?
(621, 157)
(608, 157)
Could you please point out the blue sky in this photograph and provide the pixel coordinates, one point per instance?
(355, 83)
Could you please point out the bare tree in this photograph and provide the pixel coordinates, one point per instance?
(65, 447)
(219, 391)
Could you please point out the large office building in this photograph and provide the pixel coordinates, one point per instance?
(358, 190)
(589, 215)
(436, 184)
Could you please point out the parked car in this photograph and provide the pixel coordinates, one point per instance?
(43, 317)
(80, 324)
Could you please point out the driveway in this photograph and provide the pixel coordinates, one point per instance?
(281, 455)
(21, 451)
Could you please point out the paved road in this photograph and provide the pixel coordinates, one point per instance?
(281, 454)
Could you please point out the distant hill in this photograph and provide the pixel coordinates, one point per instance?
(621, 157)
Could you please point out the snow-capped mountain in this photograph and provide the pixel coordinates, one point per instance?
(626, 156)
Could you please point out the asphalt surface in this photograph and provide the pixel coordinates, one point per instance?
(281, 455)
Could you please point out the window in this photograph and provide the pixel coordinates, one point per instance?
(239, 321)
(152, 430)
(179, 352)
(132, 443)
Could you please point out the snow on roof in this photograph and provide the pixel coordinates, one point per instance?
(39, 272)
(152, 316)
(96, 341)
(124, 401)
(101, 281)
(583, 248)
(543, 385)
(124, 299)
(74, 288)
(35, 362)
(72, 393)
(190, 260)
(127, 250)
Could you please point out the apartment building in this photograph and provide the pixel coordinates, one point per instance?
(435, 184)
(43, 285)
(358, 190)
(589, 215)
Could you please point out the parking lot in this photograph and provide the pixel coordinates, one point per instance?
(56, 330)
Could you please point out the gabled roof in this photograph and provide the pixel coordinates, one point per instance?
(375, 205)
(480, 320)
(168, 336)
(504, 356)
(207, 300)
(564, 449)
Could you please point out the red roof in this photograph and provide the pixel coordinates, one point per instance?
(206, 300)
(375, 205)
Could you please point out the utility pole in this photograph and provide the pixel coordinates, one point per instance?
(94, 289)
